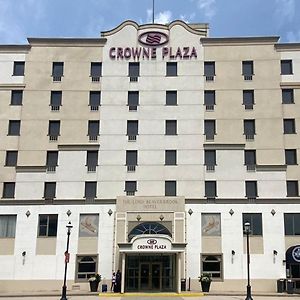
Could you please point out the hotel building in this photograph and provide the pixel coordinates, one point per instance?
(158, 143)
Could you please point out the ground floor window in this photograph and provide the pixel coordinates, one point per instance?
(86, 267)
(211, 263)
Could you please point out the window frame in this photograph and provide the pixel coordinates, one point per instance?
(133, 65)
(284, 95)
(283, 65)
(248, 189)
(287, 126)
(171, 127)
(258, 231)
(290, 157)
(171, 69)
(9, 193)
(96, 64)
(12, 129)
(15, 158)
(48, 189)
(16, 98)
(7, 235)
(288, 188)
(171, 98)
(47, 226)
(286, 233)
(210, 184)
(81, 256)
(219, 257)
(169, 191)
(15, 71)
(88, 187)
(170, 158)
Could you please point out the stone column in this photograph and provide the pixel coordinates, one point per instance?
(123, 274)
(178, 267)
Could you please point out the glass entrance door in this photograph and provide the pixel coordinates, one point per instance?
(150, 276)
(150, 273)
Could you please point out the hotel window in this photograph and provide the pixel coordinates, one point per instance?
(249, 129)
(170, 158)
(92, 160)
(250, 159)
(90, 191)
(53, 130)
(133, 71)
(287, 96)
(49, 190)
(248, 99)
(289, 126)
(133, 100)
(86, 267)
(8, 226)
(131, 160)
(209, 129)
(130, 188)
(292, 188)
(292, 224)
(171, 127)
(52, 161)
(210, 189)
(14, 127)
(171, 98)
(55, 100)
(255, 220)
(8, 190)
(95, 100)
(170, 188)
(11, 158)
(96, 71)
(212, 264)
(209, 99)
(57, 71)
(291, 157)
(251, 189)
(247, 69)
(47, 225)
(19, 67)
(16, 97)
(132, 130)
(210, 159)
(209, 70)
(171, 68)
(93, 130)
(286, 67)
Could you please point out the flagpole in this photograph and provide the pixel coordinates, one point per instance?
(153, 11)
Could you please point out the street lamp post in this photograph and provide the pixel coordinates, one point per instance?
(247, 231)
(67, 255)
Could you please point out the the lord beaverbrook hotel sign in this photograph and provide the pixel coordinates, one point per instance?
(153, 44)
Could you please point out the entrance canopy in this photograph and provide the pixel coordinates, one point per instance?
(149, 243)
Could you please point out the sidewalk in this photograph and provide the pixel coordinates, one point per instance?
(154, 295)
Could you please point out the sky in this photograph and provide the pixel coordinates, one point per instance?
(20, 19)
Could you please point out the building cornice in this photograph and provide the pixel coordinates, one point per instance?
(199, 29)
(14, 48)
(243, 41)
(66, 42)
(287, 47)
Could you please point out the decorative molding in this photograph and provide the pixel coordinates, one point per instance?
(286, 200)
(14, 48)
(256, 40)
(271, 168)
(292, 85)
(67, 42)
(199, 29)
(224, 146)
(56, 202)
(31, 169)
(12, 86)
(287, 47)
(78, 147)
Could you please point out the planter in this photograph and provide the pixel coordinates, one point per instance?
(94, 286)
(205, 285)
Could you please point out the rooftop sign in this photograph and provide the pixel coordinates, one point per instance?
(152, 47)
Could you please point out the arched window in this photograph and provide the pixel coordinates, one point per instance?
(149, 228)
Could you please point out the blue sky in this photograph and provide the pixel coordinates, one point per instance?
(20, 19)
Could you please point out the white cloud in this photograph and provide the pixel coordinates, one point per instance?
(293, 37)
(208, 7)
(285, 11)
(163, 17)
(188, 19)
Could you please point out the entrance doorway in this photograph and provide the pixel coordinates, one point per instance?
(150, 273)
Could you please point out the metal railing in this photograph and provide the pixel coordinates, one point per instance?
(56, 78)
(133, 79)
(132, 138)
(131, 168)
(209, 78)
(95, 79)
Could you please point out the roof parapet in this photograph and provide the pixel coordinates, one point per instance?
(66, 42)
(227, 41)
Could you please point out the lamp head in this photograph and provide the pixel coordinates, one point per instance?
(69, 226)
(247, 227)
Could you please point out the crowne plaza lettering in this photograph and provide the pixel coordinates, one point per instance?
(142, 53)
